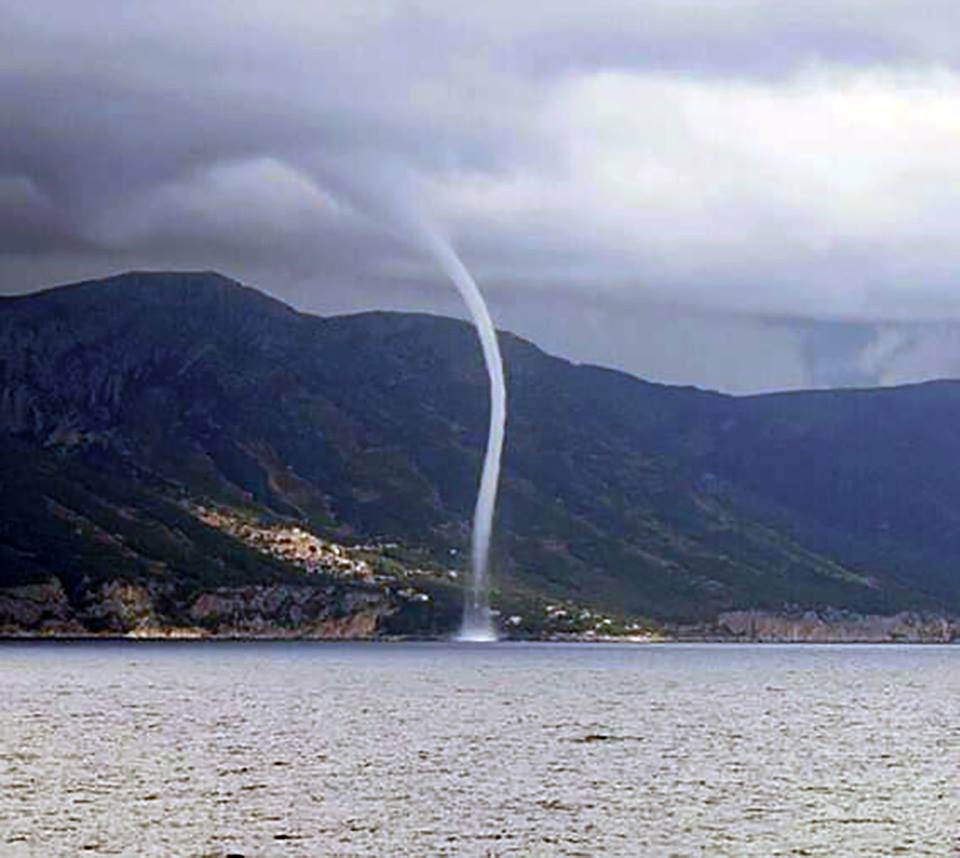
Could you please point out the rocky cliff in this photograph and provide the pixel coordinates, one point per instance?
(118, 607)
(831, 626)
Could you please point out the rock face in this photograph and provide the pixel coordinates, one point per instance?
(37, 609)
(122, 608)
(838, 627)
(119, 607)
(284, 610)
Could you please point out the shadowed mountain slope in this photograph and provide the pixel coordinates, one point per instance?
(646, 499)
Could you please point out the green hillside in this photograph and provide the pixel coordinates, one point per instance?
(120, 398)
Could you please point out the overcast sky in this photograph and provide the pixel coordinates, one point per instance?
(740, 194)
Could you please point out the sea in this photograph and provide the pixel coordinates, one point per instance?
(520, 749)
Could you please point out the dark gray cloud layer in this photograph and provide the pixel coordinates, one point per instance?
(775, 182)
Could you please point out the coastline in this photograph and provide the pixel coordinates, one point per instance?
(320, 611)
(174, 637)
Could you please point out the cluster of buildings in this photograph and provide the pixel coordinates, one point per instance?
(315, 555)
(570, 619)
(295, 545)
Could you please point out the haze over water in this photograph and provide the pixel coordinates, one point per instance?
(443, 749)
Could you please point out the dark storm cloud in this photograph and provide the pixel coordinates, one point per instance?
(741, 171)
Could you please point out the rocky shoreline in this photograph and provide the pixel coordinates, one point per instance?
(156, 611)
(321, 609)
(837, 626)
(175, 635)
(364, 630)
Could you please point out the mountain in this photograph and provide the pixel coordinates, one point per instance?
(127, 402)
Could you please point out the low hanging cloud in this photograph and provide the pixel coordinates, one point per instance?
(747, 170)
(831, 193)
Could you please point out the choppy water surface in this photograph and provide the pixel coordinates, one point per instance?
(433, 749)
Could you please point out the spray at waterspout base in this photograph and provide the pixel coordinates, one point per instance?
(477, 626)
(482, 632)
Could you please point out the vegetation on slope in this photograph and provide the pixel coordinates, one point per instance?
(119, 396)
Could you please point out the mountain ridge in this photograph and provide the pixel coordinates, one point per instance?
(672, 503)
